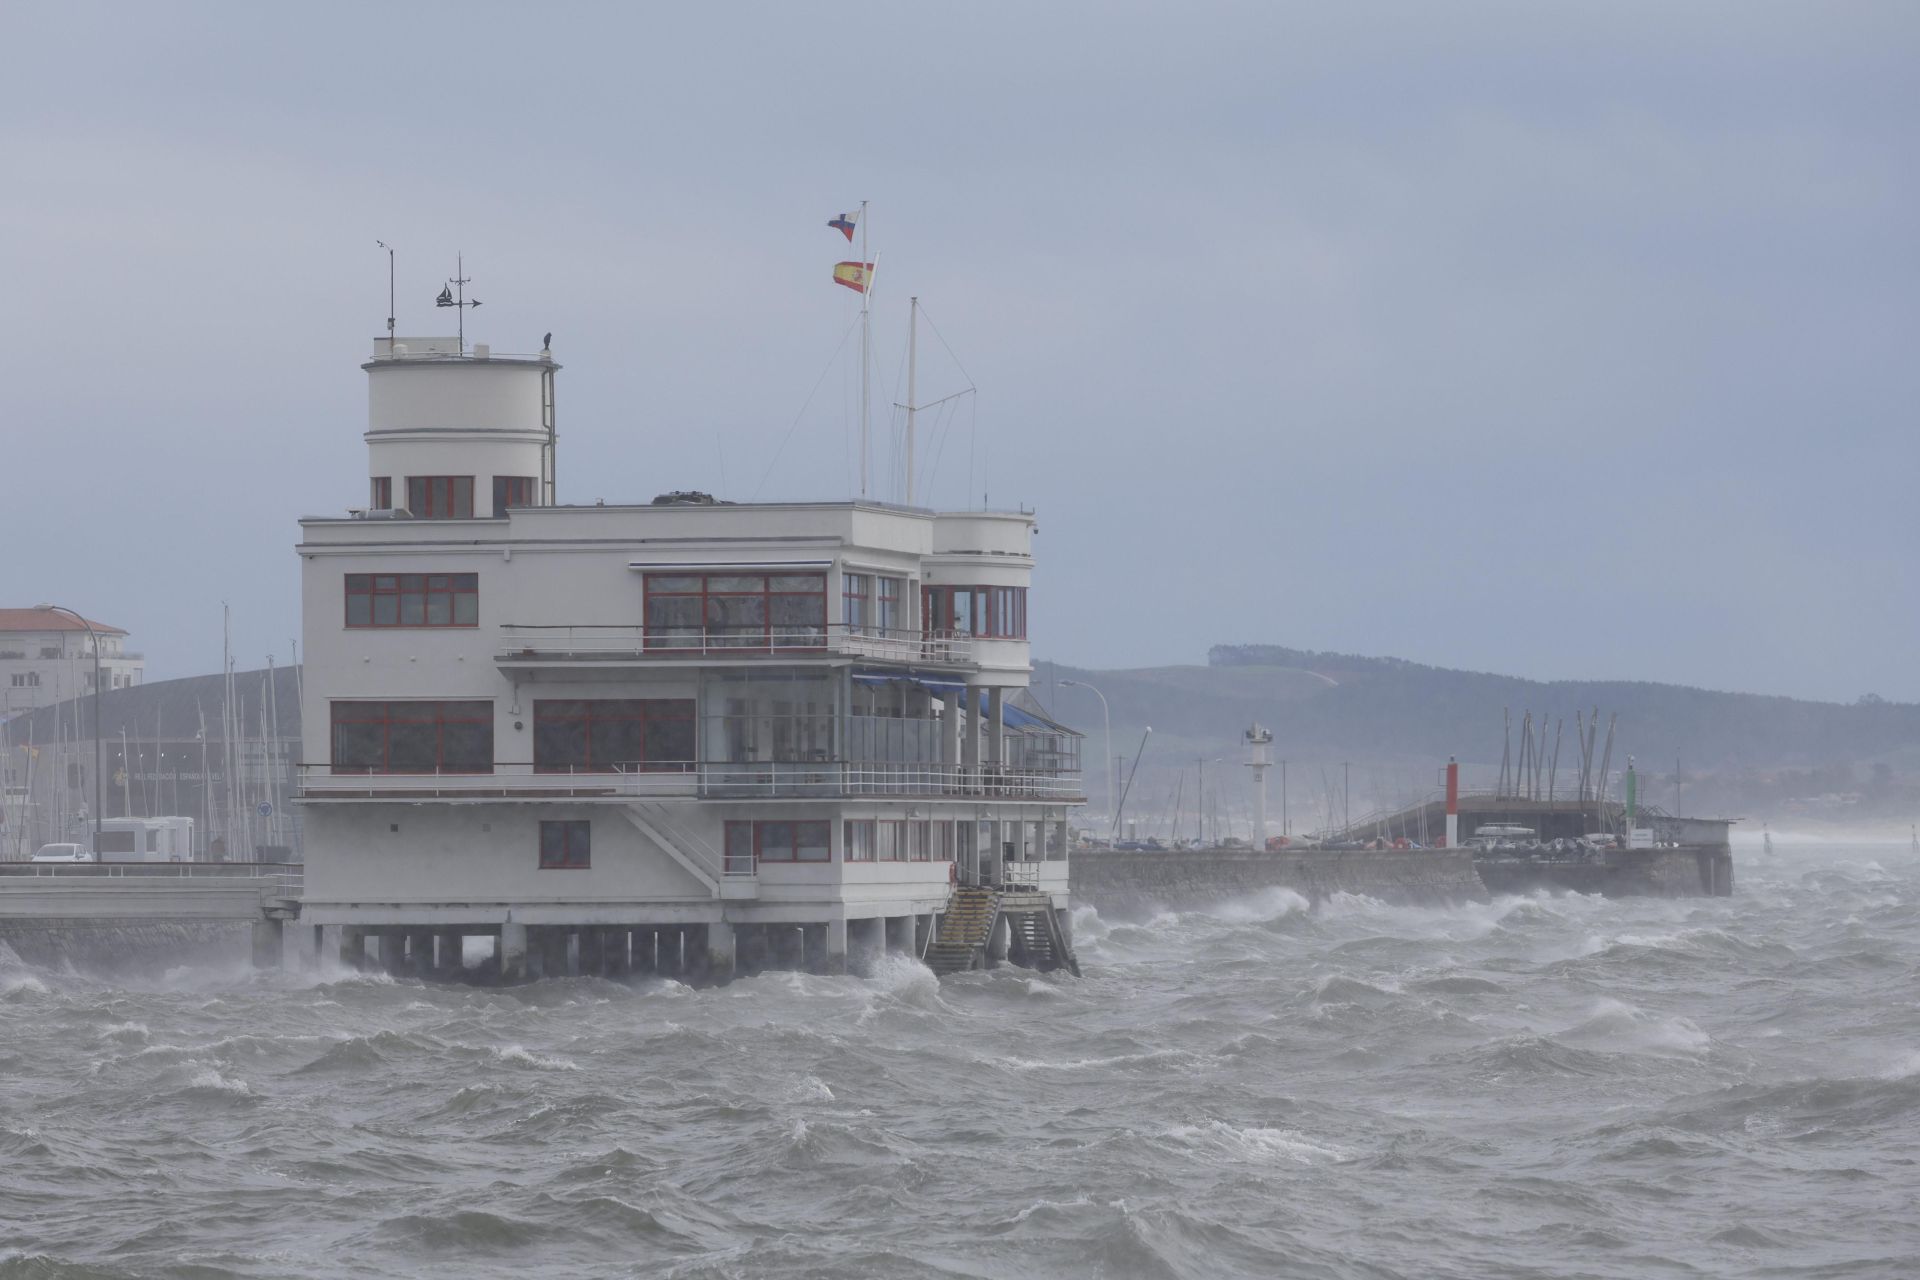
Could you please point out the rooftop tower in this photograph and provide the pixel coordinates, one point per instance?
(455, 432)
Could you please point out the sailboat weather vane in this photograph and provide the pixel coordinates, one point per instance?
(449, 298)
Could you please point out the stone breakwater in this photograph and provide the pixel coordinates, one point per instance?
(1126, 882)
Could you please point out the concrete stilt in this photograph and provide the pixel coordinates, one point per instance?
(513, 952)
(722, 953)
(834, 957)
(449, 955)
(998, 944)
(866, 943)
(645, 960)
(673, 950)
(353, 947)
(392, 946)
(420, 953)
(267, 942)
(899, 935)
(302, 946)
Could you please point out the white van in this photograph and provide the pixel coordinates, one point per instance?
(146, 840)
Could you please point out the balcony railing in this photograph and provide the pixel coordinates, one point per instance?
(595, 643)
(756, 780)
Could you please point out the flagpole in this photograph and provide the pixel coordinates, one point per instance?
(913, 328)
(866, 297)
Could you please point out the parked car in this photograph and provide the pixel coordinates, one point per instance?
(62, 852)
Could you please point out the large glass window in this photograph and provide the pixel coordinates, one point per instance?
(856, 600)
(602, 735)
(887, 603)
(736, 611)
(511, 491)
(440, 497)
(382, 493)
(995, 612)
(412, 737)
(860, 839)
(566, 845)
(779, 840)
(413, 599)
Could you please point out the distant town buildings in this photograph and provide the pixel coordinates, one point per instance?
(47, 656)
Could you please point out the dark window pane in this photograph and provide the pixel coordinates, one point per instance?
(359, 610)
(359, 582)
(661, 584)
(359, 748)
(386, 611)
(413, 748)
(617, 742)
(467, 748)
(439, 609)
(776, 841)
(669, 742)
(812, 840)
(798, 582)
(466, 609)
(559, 744)
(736, 583)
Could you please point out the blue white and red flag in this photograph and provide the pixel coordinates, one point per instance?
(844, 224)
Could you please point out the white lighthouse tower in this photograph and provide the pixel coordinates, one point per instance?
(1259, 742)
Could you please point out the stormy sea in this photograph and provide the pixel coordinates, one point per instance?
(1541, 1086)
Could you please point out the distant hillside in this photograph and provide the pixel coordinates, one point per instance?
(1396, 722)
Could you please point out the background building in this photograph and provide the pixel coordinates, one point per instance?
(46, 656)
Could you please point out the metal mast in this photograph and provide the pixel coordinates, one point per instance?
(913, 327)
(866, 344)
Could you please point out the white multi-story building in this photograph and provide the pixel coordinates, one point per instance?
(754, 734)
(47, 656)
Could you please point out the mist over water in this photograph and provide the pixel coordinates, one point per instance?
(1533, 1087)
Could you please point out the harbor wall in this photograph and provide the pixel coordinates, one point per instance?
(1704, 871)
(1128, 882)
(121, 947)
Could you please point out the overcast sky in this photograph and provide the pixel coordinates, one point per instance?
(1556, 340)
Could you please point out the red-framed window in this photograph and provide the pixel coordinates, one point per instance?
(942, 840)
(604, 735)
(888, 592)
(440, 497)
(780, 840)
(566, 845)
(736, 611)
(919, 842)
(413, 599)
(860, 839)
(856, 600)
(412, 737)
(511, 491)
(995, 612)
(382, 493)
(890, 844)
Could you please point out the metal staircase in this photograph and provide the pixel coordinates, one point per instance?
(965, 930)
(1037, 942)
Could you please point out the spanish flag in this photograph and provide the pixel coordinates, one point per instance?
(857, 276)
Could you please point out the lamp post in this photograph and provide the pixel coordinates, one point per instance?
(1113, 781)
(97, 690)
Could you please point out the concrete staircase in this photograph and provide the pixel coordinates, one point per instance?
(965, 930)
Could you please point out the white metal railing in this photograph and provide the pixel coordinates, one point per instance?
(592, 642)
(743, 781)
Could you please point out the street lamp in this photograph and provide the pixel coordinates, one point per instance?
(1113, 782)
(98, 688)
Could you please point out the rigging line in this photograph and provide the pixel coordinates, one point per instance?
(943, 342)
(775, 460)
(932, 404)
(943, 427)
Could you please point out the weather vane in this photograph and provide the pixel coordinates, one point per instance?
(449, 298)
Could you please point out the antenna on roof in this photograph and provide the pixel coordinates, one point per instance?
(447, 298)
(389, 248)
